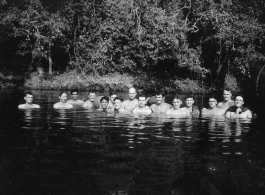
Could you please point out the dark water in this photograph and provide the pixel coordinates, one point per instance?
(77, 151)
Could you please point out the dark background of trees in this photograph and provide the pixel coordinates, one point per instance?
(162, 39)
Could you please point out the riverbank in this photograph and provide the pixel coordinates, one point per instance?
(117, 82)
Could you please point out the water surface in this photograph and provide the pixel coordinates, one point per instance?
(78, 151)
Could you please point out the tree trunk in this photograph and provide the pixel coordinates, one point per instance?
(50, 60)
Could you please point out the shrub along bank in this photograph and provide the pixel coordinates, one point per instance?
(116, 81)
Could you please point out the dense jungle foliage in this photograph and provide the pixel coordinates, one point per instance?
(216, 42)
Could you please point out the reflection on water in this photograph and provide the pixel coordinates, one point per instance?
(80, 151)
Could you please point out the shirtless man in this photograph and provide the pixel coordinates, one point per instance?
(190, 108)
(112, 96)
(89, 103)
(160, 106)
(238, 111)
(213, 110)
(227, 103)
(118, 107)
(131, 103)
(104, 102)
(28, 98)
(62, 104)
(142, 108)
(175, 110)
(75, 100)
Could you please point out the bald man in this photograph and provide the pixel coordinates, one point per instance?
(132, 102)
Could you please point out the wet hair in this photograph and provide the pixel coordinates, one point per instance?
(212, 97)
(91, 91)
(118, 98)
(160, 92)
(74, 90)
(112, 93)
(189, 96)
(28, 93)
(61, 93)
(239, 94)
(141, 95)
(104, 98)
(140, 90)
(177, 98)
(227, 89)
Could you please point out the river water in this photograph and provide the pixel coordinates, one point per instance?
(77, 151)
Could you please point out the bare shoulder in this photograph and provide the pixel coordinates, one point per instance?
(147, 108)
(125, 102)
(69, 105)
(228, 114)
(56, 105)
(168, 111)
(87, 104)
(36, 106)
(168, 105)
(153, 106)
(219, 104)
(25, 106)
(204, 111)
(21, 106)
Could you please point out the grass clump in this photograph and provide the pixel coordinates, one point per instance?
(73, 79)
(10, 81)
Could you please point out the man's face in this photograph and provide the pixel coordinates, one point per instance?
(92, 97)
(104, 104)
(239, 101)
(227, 95)
(112, 97)
(142, 101)
(177, 103)
(63, 97)
(117, 104)
(212, 102)
(74, 95)
(159, 99)
(132, 93)
(29, 99)
(189, 102)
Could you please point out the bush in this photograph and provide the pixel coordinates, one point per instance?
(73, 79)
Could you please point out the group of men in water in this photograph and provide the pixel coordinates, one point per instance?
(113, 103)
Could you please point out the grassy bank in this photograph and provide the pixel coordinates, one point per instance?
(118, 82)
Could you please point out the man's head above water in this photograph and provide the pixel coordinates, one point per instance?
(132, 93)
(74, 94)
(142, 100)
(160, 96)
(212, 102)
(227, 95)
(28, 97)
(189, 101)
(112, 96)
(176, 102)
(239, 101)
(92, 95)
(104, 101)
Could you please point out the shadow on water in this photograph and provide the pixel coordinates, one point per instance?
(78, 151)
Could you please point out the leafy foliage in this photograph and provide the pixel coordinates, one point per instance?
(162, 39)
